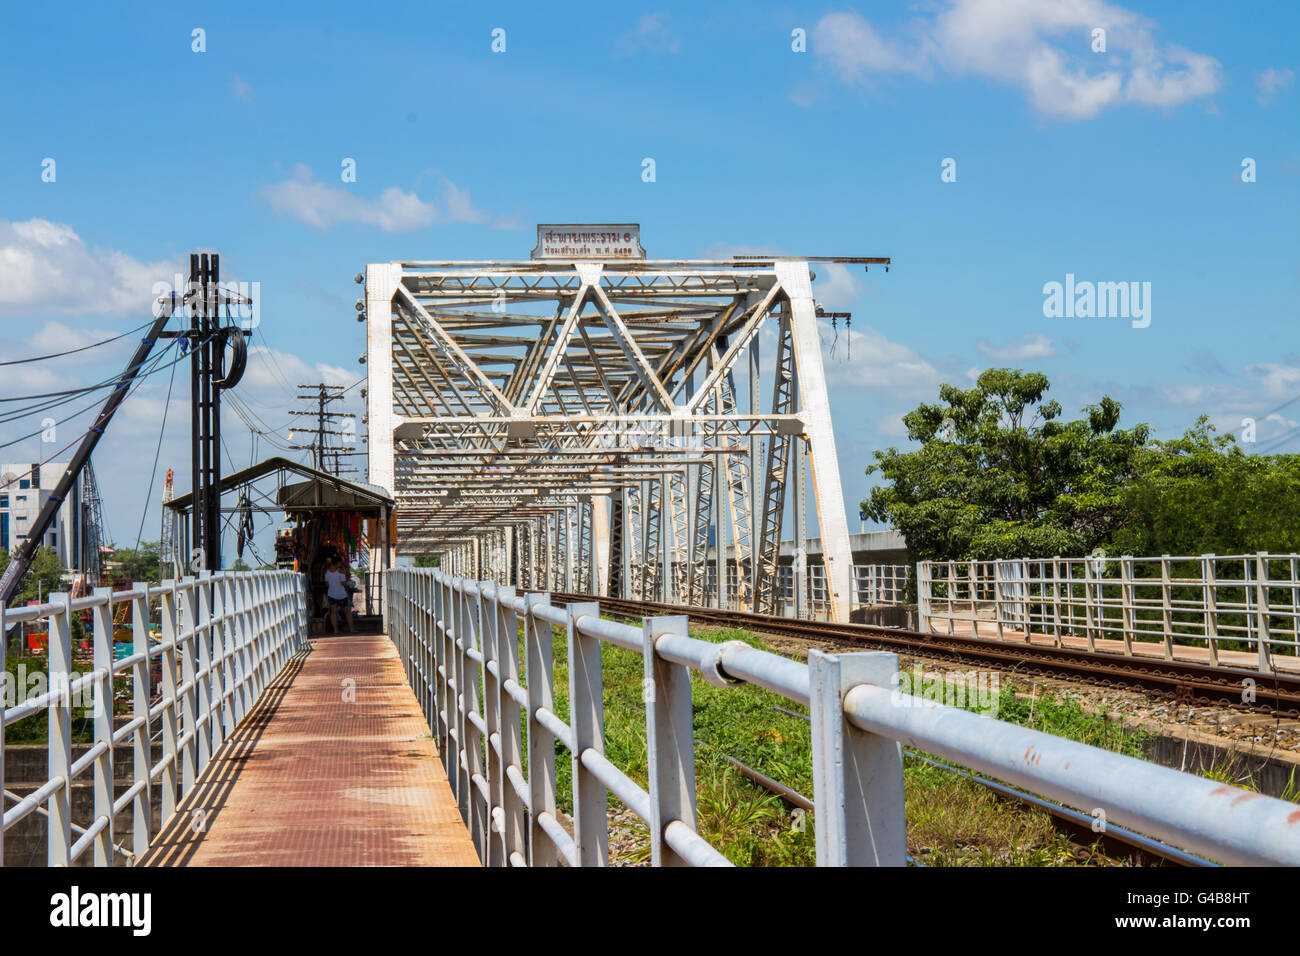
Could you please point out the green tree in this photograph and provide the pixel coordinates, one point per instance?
(1201, 494)
(137, 564)
(43, 575)
(999, 474)
(427, 561)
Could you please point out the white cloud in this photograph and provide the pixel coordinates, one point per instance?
(868, 359)
(240, 89)
(1042, 47)
(1277, 380)
(394, 210)
(650, 36)
(1033, 346)
(836, 287)
(1271, 81)
(46, 268)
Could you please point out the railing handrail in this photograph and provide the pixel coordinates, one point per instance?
(224, 636)
(1247, 599)
(451, 634)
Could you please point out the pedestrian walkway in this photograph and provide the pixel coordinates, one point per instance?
(335, 766)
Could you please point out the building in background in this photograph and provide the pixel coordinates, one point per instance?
(24, 489)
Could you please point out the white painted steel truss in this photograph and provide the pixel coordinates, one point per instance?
(578, 426)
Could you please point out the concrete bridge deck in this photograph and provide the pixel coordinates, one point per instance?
(335, 766)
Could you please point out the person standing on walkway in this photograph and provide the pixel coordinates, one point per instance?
(337, 595)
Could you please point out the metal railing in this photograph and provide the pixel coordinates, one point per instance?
(459, 641)
(222, 640)
(1217, 602)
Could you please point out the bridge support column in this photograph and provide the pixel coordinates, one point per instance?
(816, 414)
(600, 544)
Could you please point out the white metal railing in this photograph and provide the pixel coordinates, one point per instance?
(881, 583)
(222, 639)
(1218, 602)
(459, 641)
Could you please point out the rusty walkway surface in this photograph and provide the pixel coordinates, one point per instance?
(324, 773)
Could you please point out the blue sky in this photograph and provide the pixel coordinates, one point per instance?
(1123, 165)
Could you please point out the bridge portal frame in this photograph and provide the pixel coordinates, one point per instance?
(591, 410)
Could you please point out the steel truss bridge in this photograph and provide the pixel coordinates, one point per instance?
(581, 426)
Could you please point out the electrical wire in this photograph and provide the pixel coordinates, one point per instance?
(93, 345)
(115, 382)
(139, 380)
(153, 472)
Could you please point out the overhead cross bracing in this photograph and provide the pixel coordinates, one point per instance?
(528, 415)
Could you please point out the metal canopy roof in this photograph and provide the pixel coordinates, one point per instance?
(340, 494)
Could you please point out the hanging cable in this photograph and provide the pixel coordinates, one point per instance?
(153, 472)
(93, 345)
(138, 382)
(16, 414)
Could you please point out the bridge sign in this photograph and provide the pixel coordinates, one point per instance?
(574, 241)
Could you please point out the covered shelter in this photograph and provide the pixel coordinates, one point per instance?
(324, 516)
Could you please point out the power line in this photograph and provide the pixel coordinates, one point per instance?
(153, 473)
(135, 387)
(93, 345)
(30, 410)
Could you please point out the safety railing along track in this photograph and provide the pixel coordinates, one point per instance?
(223, 638)
(459, 641)
(1212, 603)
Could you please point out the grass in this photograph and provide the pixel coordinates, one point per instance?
(952, 821)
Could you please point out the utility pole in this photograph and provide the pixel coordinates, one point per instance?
(207, 338)
(325, 457)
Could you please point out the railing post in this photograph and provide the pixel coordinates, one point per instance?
(1208, 567)
(437, 718)
(857, 776)
(447, 675)
(59, 649)
(102, 662)
(206, 669)
(1128, 601)
(512, 833)
(479, 812)
(923, 582)
(971, 574)
(239, 633)
(1088, 592)
(190, 680)
(1166, 604)
(541, 742)
(997, 595)
(141, 693)
(460, 642)
(1262, 632)
(170, 752)
(428, 589)
(670, 738)
(587, 718)
(1056, 598)
(492, 710)
(225, 637)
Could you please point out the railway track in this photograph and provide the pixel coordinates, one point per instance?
(1183, 681)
